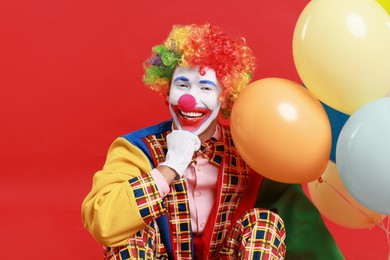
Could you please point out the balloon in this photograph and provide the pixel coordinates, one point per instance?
(363, 155)
(385, 4)
(281, 130)
(337, 120)
(341, 52)
(336, 204)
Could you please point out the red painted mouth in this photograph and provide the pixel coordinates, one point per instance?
(191, 121)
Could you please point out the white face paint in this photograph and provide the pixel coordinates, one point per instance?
(205, 89)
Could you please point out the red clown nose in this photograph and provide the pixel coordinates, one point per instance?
(187, 103)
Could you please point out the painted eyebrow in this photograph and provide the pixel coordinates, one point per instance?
(182, 78)
(205, 81)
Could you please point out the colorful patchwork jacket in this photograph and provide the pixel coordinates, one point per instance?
(124, 199)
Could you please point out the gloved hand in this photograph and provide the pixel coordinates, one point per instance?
(181, 146)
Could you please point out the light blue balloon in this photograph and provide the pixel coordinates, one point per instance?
(363, 155)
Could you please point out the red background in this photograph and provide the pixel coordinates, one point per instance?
(70, 77)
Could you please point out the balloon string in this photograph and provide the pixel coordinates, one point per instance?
(380, 224)
(347, 200)
(387, 231)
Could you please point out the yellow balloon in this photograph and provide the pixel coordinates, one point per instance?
(341, 51)
(334, 201)
(385, 4)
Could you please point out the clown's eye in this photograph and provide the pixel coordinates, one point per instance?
(206, 88)
(182, 85)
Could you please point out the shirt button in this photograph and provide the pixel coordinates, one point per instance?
(197, 194)
(198, 168)
(202, 225)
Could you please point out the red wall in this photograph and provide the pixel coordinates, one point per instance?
(70, 78)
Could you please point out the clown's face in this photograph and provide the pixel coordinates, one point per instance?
(199, 108)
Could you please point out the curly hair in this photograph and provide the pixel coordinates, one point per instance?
(203, 46)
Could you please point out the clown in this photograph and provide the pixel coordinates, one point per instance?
(179, 189)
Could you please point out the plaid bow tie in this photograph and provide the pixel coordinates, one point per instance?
(212, 150)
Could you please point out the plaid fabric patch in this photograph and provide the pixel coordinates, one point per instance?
(149, 202)
(213, 150)
(157, 145)
(234, 180)
(178, 207)
(259, 234)
(145, 244)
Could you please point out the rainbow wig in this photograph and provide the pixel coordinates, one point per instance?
(203, 46)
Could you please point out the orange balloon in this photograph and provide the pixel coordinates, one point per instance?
(281, 131)
(334, 201)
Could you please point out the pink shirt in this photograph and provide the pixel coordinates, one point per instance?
(201, 180)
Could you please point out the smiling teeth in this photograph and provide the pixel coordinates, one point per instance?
(191, 114)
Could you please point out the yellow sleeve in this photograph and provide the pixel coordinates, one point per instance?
(110, 211)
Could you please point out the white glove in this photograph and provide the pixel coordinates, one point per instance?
(181, 146)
